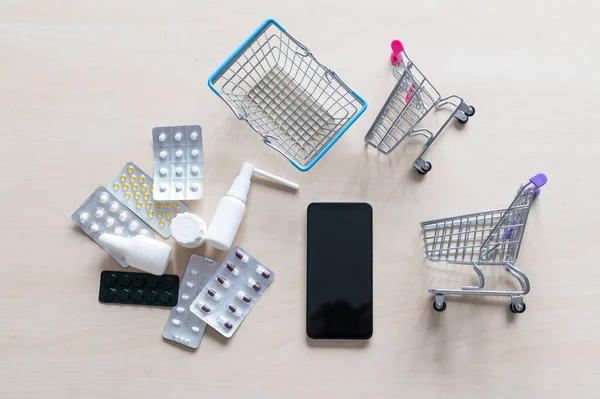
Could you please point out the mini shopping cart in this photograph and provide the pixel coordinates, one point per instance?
(411, 100)
(483, 239)
(299, 106)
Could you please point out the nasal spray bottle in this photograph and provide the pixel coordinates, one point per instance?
(141, 252)
(230, 211)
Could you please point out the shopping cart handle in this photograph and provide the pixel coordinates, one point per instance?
(539, 180)
(397, 47)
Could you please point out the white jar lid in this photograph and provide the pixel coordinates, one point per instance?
(188, 230)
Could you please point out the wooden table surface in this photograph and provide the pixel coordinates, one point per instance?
(82, 83)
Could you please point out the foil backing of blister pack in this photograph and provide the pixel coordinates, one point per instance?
(227, 298)
(101, 213)
(182, 326)
(178, 163)
(134, 188)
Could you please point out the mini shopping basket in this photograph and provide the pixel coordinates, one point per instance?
(412, 98)
(299, 106)
(483, 239)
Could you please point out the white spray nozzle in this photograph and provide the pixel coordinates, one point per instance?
(278, 179)
(241, 184)
(248, 170)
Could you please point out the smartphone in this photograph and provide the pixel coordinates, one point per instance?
(339, 271)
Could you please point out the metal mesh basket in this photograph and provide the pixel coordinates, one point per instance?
(299, 106)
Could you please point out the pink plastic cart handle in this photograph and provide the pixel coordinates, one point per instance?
(397, 47)
(409, 95)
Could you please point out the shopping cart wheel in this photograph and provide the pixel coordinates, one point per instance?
(514, 309)
(422, 166)
(438, 308)
(461, 117)
(470, 111)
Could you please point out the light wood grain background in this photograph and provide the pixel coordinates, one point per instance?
(82, 83)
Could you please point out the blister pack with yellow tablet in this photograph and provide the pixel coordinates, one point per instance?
(134, 188)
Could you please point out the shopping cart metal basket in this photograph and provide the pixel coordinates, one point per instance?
(483, 239)
(412, 98)
(299, 106)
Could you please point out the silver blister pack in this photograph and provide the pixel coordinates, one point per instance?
(134, 187)
(178, 163)
(182, 326)
(232, 292)
(101, 213)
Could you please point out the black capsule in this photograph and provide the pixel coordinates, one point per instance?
(124, 294)
(138, 295)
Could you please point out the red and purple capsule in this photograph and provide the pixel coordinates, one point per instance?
(232, 269)
(243, 297)
(252, 283)
(222, 281)
(204, 307)
(225, 323)
(233, 309)
(263, 272)
(241, 256)
(213, 294)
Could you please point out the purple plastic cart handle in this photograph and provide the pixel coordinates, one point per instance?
(538, 180)
(509, 231)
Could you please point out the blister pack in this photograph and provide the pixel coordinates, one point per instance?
(232, 292)
(134, 188)
(178, 163)
(101, 213)
(182, 326)
(138, 288)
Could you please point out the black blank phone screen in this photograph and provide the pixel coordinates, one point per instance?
(339, 285)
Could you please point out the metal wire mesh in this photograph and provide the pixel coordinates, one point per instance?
(294, 102)
(486, 238)
(410, 100)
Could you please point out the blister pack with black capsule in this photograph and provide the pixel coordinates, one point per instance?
(232, 292)
(138, 288)
(182, 326)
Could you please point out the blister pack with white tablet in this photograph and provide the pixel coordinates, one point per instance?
(101, 213)
(182, 326)
(232, 292)
(178, 163)
(134, 188)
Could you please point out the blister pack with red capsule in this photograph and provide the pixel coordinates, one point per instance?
(232, 292)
